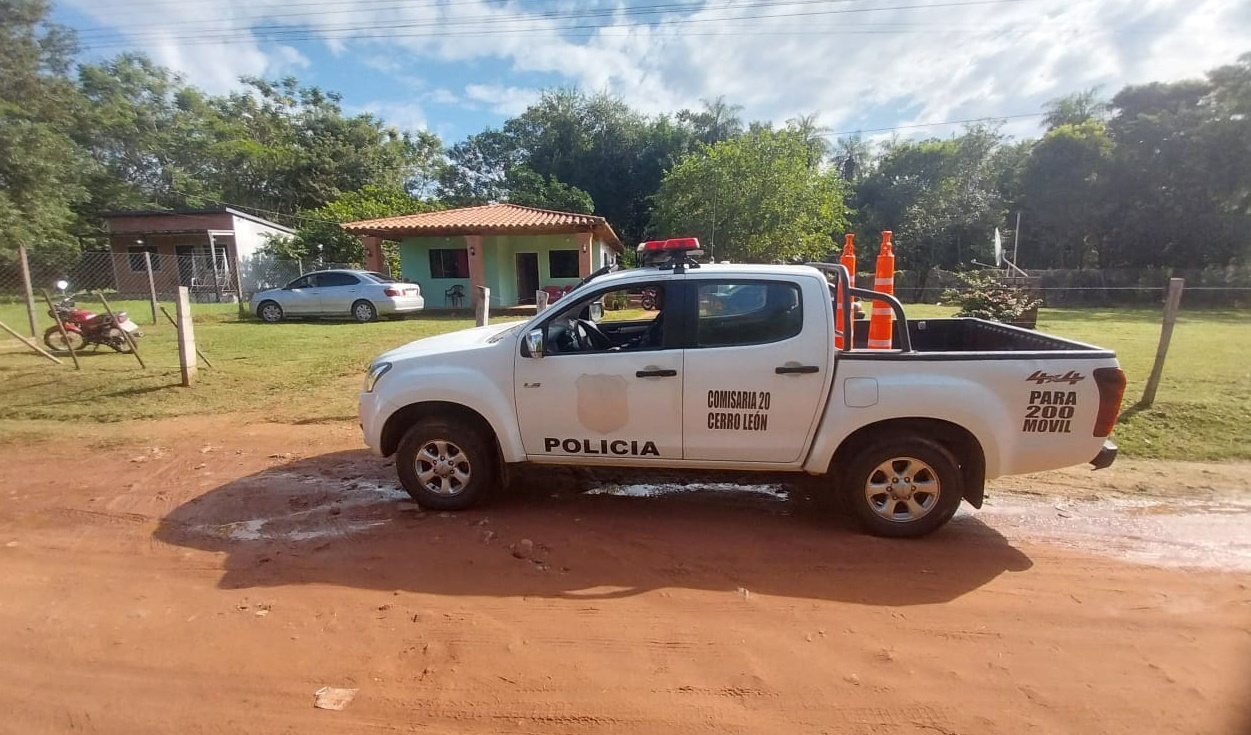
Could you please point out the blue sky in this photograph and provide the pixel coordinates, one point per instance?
(457, 66)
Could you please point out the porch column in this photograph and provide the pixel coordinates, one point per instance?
(373, 253)
(477, 267)
(585, 254)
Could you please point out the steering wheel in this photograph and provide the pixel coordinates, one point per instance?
(590, 334)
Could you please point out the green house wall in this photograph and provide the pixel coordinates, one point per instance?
(500, 264)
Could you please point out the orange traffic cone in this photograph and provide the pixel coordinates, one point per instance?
(881, 323)
(848, 260)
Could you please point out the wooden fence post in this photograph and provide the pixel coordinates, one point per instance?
(186, 336)
(1171, 304)
(243, 308)
(61, 325)
(30, 293)
(31, 344)
(147, 261)
(198, 351)
(134, 348)
(540, 301)
(483, 306)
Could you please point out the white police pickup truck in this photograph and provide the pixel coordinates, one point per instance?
(739, 371)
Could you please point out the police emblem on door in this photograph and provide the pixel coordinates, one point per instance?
(602, 404)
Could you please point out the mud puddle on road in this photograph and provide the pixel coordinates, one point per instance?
(1173, 532)
(1161, 531)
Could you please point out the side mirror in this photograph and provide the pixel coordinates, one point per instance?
(597, 311)
(534, 343)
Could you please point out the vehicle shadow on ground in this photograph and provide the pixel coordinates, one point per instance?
(341, 519)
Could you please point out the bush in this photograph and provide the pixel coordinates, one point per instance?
(985, 297)
(616, 300)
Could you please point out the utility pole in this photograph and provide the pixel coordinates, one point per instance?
(1016, 235)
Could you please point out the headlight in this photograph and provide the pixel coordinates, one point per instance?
(376, 371)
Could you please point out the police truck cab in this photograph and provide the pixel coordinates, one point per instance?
(738, 369)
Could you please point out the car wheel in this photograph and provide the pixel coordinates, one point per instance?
(270, 312)
(364, 311)
(903, 488)
(444, 464)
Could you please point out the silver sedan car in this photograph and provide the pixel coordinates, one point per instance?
(361, 295)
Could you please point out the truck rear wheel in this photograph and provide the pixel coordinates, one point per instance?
(444, 464)
(903, 488)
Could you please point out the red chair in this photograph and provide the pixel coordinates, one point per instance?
(553, 293)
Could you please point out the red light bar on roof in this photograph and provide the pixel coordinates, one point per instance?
(674, 243)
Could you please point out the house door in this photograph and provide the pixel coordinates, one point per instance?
(527, 277)
(186, 263)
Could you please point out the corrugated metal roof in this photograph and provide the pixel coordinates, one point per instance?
(489, 218)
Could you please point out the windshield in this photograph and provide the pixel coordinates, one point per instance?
(380, 277)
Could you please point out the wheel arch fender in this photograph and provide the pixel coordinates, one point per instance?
(962, 444)
(474, 401)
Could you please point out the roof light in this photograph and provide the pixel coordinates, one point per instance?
(674, 243)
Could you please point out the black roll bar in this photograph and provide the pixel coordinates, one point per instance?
(846, 291)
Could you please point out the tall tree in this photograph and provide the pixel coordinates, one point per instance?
(753, 198)
(41, 167)
(941, 198)
(718, 121)
(319, 235)
(1076, 108)
(814, 135)
(1062, 192)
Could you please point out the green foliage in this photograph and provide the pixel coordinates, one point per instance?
(942, 198)
(529, 189)
(319, 235)
(755, 198)
(41, 168)
(574, 152)
(985, 296)
(617, 300)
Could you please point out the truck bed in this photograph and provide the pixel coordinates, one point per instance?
(969, 338)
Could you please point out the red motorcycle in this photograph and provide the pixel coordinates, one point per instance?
(84, 328)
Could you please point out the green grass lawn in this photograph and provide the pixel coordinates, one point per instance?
(309, 371)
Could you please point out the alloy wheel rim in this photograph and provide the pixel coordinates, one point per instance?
(902, 489)
(443, 468)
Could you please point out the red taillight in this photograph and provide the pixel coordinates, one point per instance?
(1111, 382)
(391, 291)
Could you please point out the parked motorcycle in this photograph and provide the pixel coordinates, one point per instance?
(84, 328)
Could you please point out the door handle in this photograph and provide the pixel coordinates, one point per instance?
(655, 373)
(797, 369)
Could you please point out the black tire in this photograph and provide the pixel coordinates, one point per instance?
(117, 340)
(270, 312)
(56, 343)
(444, 464)
(364, 311)
(903, 488)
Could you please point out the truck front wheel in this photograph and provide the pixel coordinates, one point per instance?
(903, 488)
(444, 464)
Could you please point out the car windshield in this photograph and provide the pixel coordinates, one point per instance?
(380, 277)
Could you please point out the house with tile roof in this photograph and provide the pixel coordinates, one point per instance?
(514, 251)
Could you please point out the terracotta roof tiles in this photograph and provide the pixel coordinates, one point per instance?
(489, 218)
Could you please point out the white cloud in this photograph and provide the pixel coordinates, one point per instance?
(861, 63)
(502, 100)
(443, 97)
(403, 115)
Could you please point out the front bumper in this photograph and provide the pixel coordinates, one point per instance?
(1106, 456)
(373, 412)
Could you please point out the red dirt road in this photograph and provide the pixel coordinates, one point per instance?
(212, 586)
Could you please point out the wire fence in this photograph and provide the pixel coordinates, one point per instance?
(222, 279)
(1205, 288)
(140, 275)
